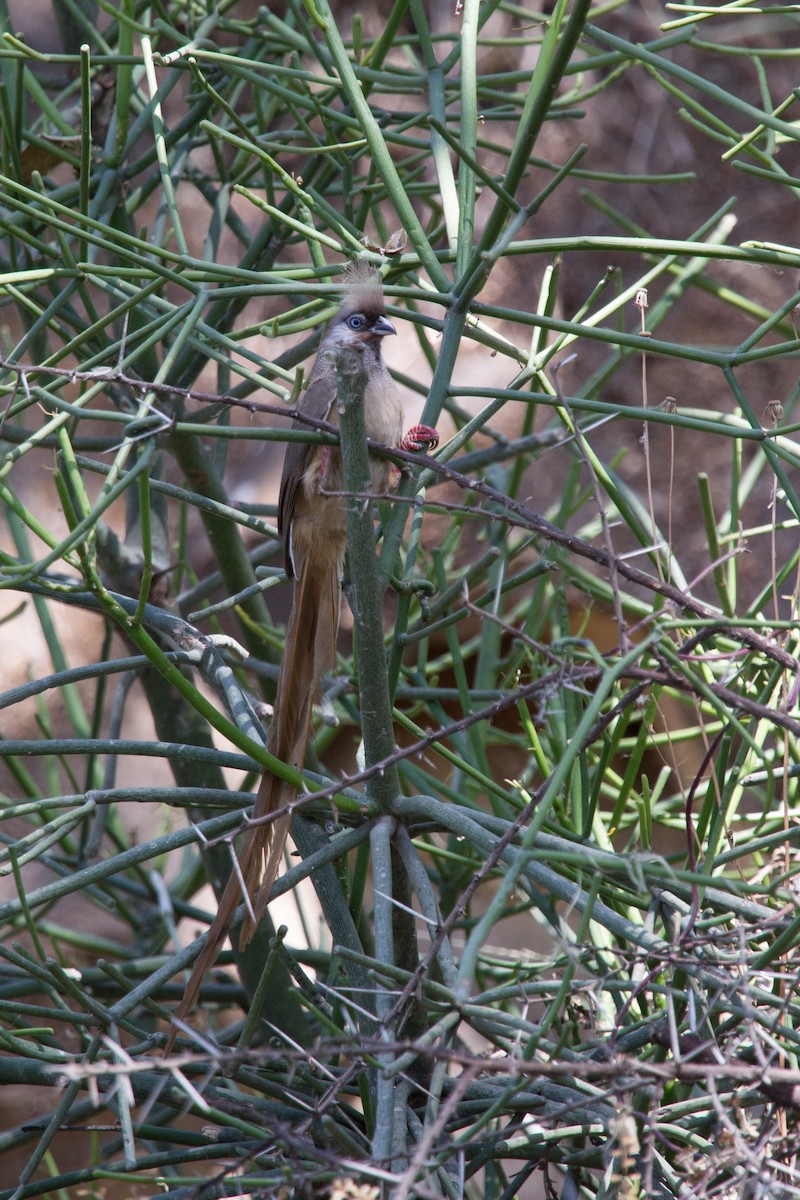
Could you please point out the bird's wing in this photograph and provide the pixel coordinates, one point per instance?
(317, 402)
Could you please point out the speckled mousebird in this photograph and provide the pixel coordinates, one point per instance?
(312, 522)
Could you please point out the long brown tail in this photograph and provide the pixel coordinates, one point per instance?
(309, 653)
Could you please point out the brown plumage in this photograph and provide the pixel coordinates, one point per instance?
(313, 528)
(314, 531)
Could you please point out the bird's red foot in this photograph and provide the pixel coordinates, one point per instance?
(420, 439)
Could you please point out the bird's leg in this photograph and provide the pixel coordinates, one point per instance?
(420, 439)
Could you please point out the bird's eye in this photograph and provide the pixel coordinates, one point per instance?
(356, 321)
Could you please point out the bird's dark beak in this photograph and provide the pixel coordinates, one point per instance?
(381, 327)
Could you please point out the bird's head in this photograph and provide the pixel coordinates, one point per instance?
(361, 316)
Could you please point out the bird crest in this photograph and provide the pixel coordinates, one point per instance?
(363, 289)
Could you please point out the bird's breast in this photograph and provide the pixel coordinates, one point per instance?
(322, 477)
(383, 418)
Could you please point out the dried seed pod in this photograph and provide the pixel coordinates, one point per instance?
(773, 413)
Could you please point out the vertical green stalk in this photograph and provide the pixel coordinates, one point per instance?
(124, 83)
(448, 193)
(84, 179)
(159, 129)
(366, 591)
(468, 134)
(383, 1137)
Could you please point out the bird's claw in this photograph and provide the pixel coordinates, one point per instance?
(420, 439)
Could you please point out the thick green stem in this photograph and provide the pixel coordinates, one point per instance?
(365, 591)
